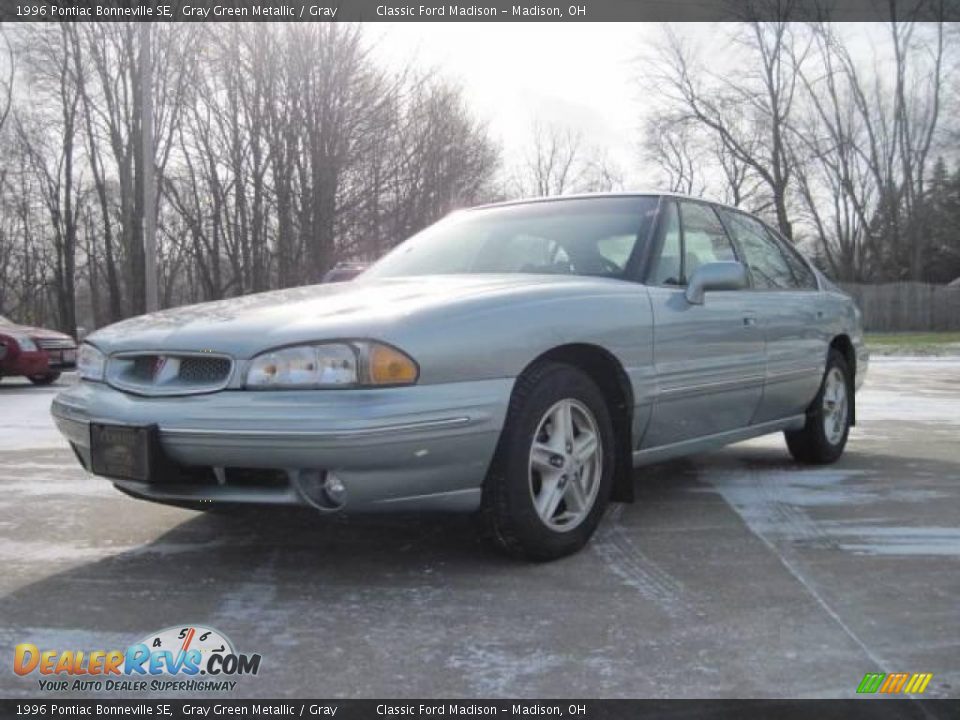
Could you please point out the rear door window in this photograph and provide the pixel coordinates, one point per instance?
(763, 257)
(801, 271)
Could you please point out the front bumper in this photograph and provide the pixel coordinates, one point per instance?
(412, 448)
(27, 363)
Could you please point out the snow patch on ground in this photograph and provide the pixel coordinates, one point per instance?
(25, 421)
(56, 551)
(32, 484)
(889, 405)
(778, 505)
(493, 670)
(873, 539)
(915, 390)
(914, 361)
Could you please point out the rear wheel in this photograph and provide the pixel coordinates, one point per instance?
(47, 379)
(823, 438)
(551, 477)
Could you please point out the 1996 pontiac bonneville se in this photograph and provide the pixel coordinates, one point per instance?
(516, 359)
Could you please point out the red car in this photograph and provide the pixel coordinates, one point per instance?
(38, 354)
(344, 271)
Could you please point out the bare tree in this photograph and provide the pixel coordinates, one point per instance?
(669, 143)
(833, 181)
(48, 141)
(282, 168)
(6, 84)
(558, 163)
(439, 158)
(864, 143)
(696, 162)
(110, 68)
(748, 113)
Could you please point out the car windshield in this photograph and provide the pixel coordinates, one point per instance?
(584, 236)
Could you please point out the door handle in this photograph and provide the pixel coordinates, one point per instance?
(750, 321)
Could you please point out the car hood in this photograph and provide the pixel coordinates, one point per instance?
(34, 332)
(375, 308)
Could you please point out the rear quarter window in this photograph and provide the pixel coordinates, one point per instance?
(805, 277)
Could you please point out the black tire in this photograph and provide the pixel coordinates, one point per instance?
(47, 379)
(811, 445)
(509, 517)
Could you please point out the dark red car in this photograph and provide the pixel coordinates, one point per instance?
(38, 354)
(344, 271)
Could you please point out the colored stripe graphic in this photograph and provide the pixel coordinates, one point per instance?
(871, 682)
(894, 683)
(918, 683)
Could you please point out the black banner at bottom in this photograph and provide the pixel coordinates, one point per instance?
(865, 709)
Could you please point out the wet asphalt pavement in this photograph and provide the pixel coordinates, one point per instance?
(735, 574)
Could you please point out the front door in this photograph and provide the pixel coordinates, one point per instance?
(709, 359)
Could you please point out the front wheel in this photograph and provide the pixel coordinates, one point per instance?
(47, 379)
(551, 476)
(823, 438)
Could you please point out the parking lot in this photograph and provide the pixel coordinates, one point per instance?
(735, 574)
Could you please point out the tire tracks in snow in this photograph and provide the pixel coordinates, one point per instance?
(621, 556)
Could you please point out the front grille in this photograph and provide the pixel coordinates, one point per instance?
(169, 373)
(55, 344)
(201, 370)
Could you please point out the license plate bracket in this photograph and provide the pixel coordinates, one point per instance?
(124, 452)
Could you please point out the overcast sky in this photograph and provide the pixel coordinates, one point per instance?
(584, 76)
(573, 75)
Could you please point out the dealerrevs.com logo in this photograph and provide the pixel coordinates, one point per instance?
(184, 658)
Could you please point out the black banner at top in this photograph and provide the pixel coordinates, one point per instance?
(408, 709)
(476, 10)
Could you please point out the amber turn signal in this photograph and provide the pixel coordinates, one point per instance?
(389, 366)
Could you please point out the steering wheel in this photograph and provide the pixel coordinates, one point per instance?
(599, 265)
(562, 267)
(609, 266)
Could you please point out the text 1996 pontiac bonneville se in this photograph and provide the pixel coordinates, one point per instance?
(515, 359)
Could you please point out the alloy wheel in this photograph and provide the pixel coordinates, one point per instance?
(566, 464)
(834, 406)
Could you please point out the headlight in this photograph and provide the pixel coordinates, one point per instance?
(330, 365)
(90, 362)
(25, 343)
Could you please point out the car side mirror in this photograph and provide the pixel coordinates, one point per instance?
(715, 276)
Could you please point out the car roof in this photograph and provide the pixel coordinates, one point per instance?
(627, 193)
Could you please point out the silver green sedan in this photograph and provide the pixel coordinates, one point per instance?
(515, 360)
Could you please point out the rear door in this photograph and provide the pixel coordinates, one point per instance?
(786, 301)
(709, 359)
